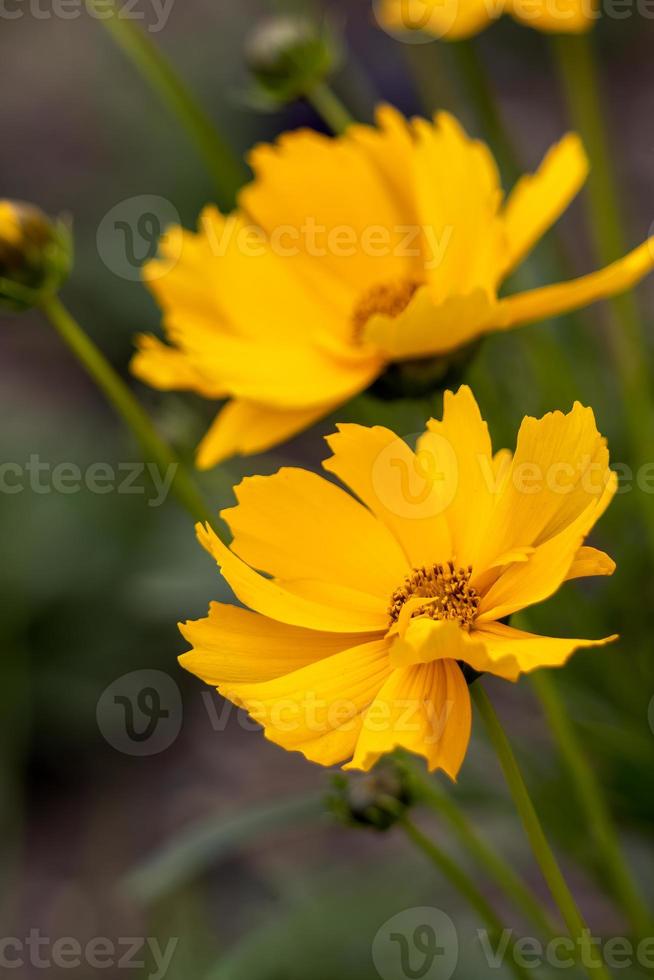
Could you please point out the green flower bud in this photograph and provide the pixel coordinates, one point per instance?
(377, 799)
(287, 56)
(35, 255)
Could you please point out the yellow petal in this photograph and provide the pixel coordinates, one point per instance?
(340, 610)
(447, 19)
(459, 195)
(538, 578)
(550, 301)
(402, 488)
(562, 17)
(426, 640)
(467, 490)
(234, 645)
(560, 467)
(390, 146)
(317, 710)
(297, 525)
(284, 375)
(538, 200)
(204, 284)
(424, 709)
(589, 562)
(294, 187)
(170, 369)
(429, 327)
(512, 652)
(244, 427)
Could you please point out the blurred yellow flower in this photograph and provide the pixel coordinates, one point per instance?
(387, 244)
(35, 254)
(454, 20)
(10, 225)
(365, 611)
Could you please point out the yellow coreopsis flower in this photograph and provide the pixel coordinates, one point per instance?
(455, 20)
(365, 613)
(387, 244)
(10, 224)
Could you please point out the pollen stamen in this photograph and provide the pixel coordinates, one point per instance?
(447, 593)
(389, 298)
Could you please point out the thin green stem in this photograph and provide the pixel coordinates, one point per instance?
(591, 799)
(427, 791)
(575, 59)
(432, 75)
(126, 405)
(329, 107)
(455, 874)
(480, 89)
(543, 853)
(226, 169)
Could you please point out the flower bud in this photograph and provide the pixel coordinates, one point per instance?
(377, 799)
(287, 56)
(35, 255)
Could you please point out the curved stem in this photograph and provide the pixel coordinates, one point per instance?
(226, 169)
(596, 813)
(329, 107)
(465, 886)
(126, 405)
(497, 868)
(543, 853)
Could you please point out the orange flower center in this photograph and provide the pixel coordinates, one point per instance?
(447, 591)
(389, 298)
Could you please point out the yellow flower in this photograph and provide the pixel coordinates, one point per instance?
(454, 20)
(10, 224)
(387, 244)
(365, 611)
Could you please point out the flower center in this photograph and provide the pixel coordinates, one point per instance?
(390, 298)
(446, 590)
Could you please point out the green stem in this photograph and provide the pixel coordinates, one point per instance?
(543, 853)
(227, 171)
(125, 404)
(451, 870)
(596, 813)
(581, 83)
(329, 107)
(497, 868)
(433, 80)
(480, 90)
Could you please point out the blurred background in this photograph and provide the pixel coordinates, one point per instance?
(207, 834)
